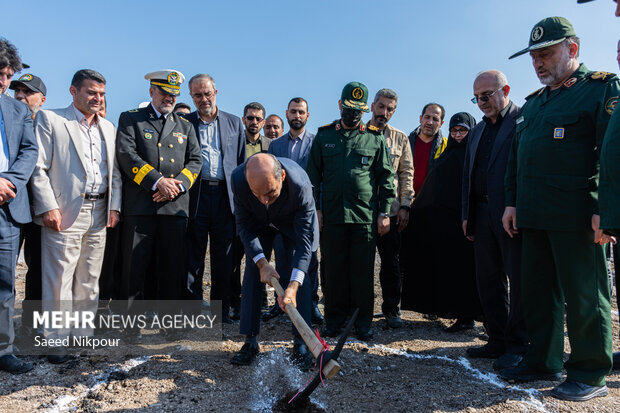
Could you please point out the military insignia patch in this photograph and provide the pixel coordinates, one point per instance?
(537, 33)
(520, 119)
(357, 93)
(180, 139)
(133, 110)
(364, 160)
(373, 128)
(558, 133)
(330, 145)
(148, 135)
(362, 127)
(148, 131)
(570, 82)
(337, 126)
(27, 77)
(610, 105)
(173, 78)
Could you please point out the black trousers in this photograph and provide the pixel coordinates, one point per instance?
(498, 261)
(281, 259)
(214, 224)
(251, 297)
(31, 237)
(153, 242)
(112, 265)
(388, 246)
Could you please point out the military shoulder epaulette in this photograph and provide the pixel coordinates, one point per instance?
(604, 76)
(537, 91)
(132, 110)
(328, 125)
(374, 129)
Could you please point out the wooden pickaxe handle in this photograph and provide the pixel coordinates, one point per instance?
(331, 368)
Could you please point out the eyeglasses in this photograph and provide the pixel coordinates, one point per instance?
(254, 118)
(459, 131)
(484, 98)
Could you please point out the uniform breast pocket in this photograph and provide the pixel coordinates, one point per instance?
(568, 127)
(362, 158)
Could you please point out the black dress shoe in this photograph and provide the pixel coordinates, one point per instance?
(488, 351)
(460, 325)
(578, 392)
(273, 312)
(235, 313)
(246, 355)
(507, 360)
(59, 355)
(393, 320)
(13, 365)
(364, 334)
(523, 373)
(317, 317)
(302, 357)
(616, 360)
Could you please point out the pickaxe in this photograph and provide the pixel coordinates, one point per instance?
(327, 358)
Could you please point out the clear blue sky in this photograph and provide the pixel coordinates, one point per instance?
(270, 51)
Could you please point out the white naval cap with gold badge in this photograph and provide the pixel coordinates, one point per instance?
(167, 80)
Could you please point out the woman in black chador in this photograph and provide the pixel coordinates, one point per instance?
(443, 280)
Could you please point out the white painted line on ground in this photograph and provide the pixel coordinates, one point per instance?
(487, 377)
(63, 403)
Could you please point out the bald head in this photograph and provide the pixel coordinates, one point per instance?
(491, 92)
(265, 175)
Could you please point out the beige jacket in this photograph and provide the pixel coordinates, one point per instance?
(59, 178)
(402, 162)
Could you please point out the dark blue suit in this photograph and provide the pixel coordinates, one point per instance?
(18, 136)
(498, 257)
(293, 215)
(211, 215)
(279, 148)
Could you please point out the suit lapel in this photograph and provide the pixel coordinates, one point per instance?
(168, 127)
(7, 115)
(75, 134)
(475, 140)
(223, 131)
(109, 137)
(153, 120)
(502, 135)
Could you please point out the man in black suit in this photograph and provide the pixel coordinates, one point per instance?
(222, 143)
(274, 196)
(498, 257)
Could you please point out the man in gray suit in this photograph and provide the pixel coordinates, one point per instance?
(76, 189)
(295, 145)
(498, 257)
(222, 143)
(18, 155)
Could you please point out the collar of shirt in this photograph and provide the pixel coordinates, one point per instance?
(204, 122)
(257, 142)
(159, 114)
(82, 119)
(301, 136)
(500, 116)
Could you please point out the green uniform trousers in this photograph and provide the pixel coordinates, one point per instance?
(349, 254)
(561, 267)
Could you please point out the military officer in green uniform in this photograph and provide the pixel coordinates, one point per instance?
(351, 172)
(551, 198)
(159, 157)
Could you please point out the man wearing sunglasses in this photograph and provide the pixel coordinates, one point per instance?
(498, 256)
(254, 120)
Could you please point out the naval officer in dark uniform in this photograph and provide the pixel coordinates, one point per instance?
(159, 157)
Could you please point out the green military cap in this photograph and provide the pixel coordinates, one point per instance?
(548, 32)
(355, 96)
(167, 80)
(583, 1)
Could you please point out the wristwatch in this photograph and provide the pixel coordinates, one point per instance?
(383, 214)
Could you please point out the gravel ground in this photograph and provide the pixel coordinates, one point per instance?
(418, 368)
